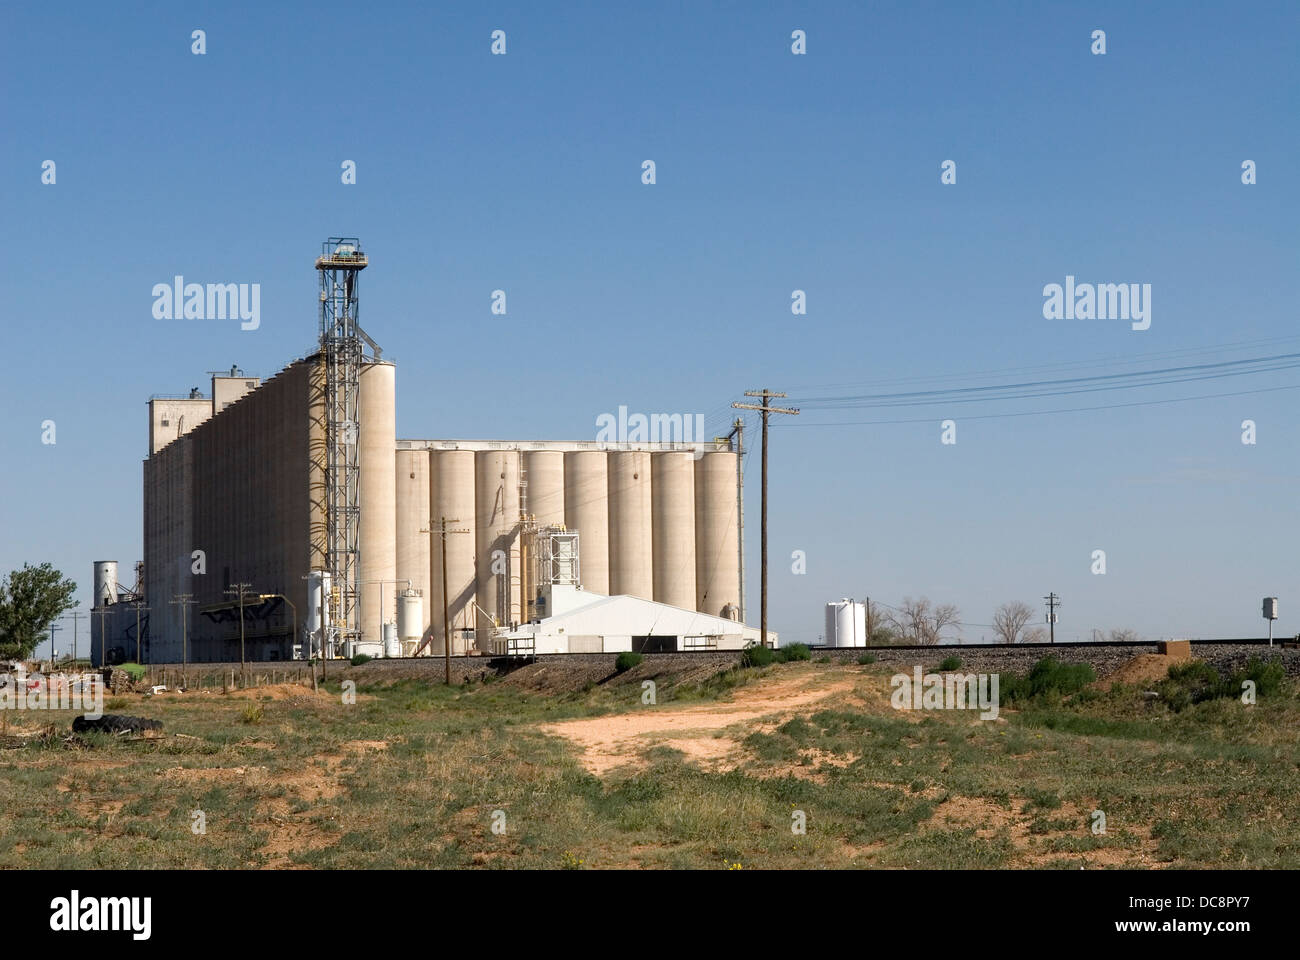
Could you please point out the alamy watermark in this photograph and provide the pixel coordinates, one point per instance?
(655, 428)
(78, 691)
(1102, 301)
(213, 301)
(946, 691)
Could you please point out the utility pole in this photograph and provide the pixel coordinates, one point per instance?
(241, 589)
(76, 615)
(139, 605)
(185, 601)
(765, 410)
(446, 631)
(55, 626)
(1053, 601)
(103, 637)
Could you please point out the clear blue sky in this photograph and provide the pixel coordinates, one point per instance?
(775, 172)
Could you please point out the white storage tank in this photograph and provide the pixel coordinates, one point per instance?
(846, 624)
(391, 646)
(410, 616)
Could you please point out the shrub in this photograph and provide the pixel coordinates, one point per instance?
(866, 658)
(134, 670)
(1047, 677)
(795, 651)
(361, 658)
(627, 660)
(757, 656)
(1196, 682)
(949, 663)
(252, 713)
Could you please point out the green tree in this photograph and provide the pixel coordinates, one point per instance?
(30, 600)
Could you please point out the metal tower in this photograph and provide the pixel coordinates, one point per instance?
(342, 348)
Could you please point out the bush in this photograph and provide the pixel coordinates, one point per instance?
(627, 660)
(361, 658)
(757, 656)
(949, 663)
(1047, 677)
(866, 658)
(134, 670)
(796, 651)
(1197, 682)
(252, 713)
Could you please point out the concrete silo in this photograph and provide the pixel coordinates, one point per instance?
(717, 534)
(673, 497)
(586, 509)
(377, 534)
(544, 487)
(413, 543)
(631, 551)
(451, 495)
(496, 484)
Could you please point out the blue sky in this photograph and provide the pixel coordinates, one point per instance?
(775, 172)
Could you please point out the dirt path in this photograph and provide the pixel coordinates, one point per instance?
(613, 741)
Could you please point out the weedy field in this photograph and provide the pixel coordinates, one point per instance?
(714, 775)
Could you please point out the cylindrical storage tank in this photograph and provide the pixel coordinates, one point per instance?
(846, 624)
(631, 549)
(673, 518)
(413, 527)
(451, 495)
(411, 618)
(377, 533)
(496, 484)
(391, 647)
(544, 473)
(717, 533)
(586, 509)
(105, 582)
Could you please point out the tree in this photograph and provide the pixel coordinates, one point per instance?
(1010, 619)
(916, 623)
(30, 600)
(1034, 635)
(1124, 636)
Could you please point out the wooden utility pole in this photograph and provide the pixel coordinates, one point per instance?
(75, 615)
(139, 605)
(185, 600)
(442, 531)
(765, 410)
(1053, 601)
(241, 590)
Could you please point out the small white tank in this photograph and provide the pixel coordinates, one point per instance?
(391, 647)
(410, 616)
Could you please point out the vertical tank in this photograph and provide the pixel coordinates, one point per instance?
(412, 621)
(544, 471)
(586, 509)
(451, 495)
(673, 500)
(717, 533)
(496, 484)
(413, 561)
(105, 582)
(377, 535)
(391, 647)
(846, 624)
(631, 551)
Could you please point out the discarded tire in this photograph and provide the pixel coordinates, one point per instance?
(115, 723)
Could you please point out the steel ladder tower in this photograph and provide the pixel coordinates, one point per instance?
(342, 347)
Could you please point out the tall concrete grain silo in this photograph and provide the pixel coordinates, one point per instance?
(496, 484)
(377, 534)
(544, 473)
(413, 562)
(631, 549)
(586, 510)
(717, 534)
(451, 495)
(673, 496)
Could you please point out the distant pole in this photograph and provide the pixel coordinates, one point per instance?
(138, 604)
(765, 410)
(184, 601)
(75, 615)
(55, 626)
(446, 629)
(1053, 601)
(241, 589)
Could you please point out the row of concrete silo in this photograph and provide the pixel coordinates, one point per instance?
(662, 525)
